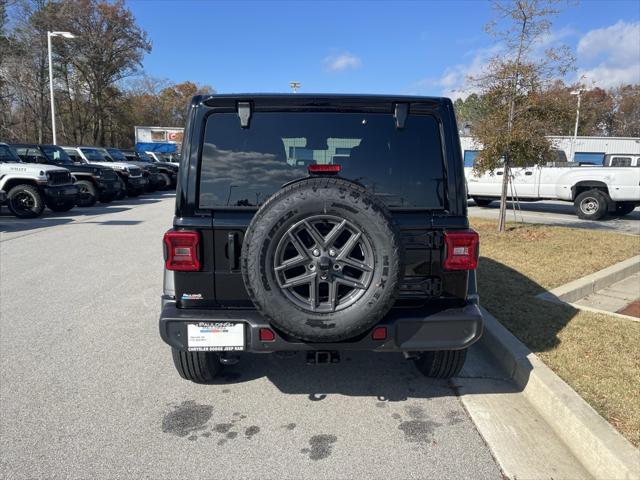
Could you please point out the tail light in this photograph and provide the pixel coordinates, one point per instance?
(182, 250)
(461, 250)
(267, 335)
(319, 168)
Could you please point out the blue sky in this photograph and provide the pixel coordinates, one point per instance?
(420, 47)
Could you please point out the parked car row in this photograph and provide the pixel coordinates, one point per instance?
(33, 176)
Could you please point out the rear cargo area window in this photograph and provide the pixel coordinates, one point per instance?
(244, 167)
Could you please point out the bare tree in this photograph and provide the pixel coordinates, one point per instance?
(109, 48)
(514, 126)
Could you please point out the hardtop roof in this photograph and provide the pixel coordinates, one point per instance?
(317, 99)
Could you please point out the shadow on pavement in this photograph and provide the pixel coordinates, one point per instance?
(386, 376)
(505, 292)
(9, 223)
(564, 208)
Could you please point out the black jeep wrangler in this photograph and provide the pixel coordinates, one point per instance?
(320, 223)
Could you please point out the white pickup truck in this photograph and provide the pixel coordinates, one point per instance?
(594, 191)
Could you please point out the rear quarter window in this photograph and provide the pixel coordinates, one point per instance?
(243, 167)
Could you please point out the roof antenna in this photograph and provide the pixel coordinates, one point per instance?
(295, 86)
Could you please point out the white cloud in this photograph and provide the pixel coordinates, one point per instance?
(453, 81)
(610, 56)
(344, 61)
(607, 56)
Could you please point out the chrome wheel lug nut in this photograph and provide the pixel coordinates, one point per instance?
(336, 266)
(312, 267)
(332, 252)
(316, 252)
(323, 276)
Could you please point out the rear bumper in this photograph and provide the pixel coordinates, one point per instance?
(451, 329)
(61, 194)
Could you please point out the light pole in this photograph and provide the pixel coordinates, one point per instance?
(577, 92)
(53, 107)
(294, 86)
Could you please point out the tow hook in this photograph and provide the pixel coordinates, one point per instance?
(227, 358)
(322, 356)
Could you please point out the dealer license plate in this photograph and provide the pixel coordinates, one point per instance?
(215, 337)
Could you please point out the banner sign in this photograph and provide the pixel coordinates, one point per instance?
(159, 135)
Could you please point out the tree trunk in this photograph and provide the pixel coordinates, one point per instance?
(502, 217)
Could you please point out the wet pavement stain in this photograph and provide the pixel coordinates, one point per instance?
(231, 435)
(415, 412)
(418, 431)
(251, 431)
(289, 426)
(222, 427)
(397, 416)
(454, 418)
(320, 446)
(186, 419)
(381, 405)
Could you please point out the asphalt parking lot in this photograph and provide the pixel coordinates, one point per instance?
(558, 213)
(88, 389)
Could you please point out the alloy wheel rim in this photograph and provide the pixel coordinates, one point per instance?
(589, 205)
(324, 263)
(24, 201)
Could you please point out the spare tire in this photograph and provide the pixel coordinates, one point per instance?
(321, 260)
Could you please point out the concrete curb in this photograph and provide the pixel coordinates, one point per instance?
(603, 312)
(584, 286)
(603, 452)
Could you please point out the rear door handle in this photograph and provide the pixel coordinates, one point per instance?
(499, 172)
(231, 237)
(528, 173)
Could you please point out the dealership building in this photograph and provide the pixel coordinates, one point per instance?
(587, 149)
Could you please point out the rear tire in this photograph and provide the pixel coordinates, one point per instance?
(133, 193)
(591, 205)
(88, 194)
(199, 367)
(166, 181)
(25, 201)
(441, 364)
(122, 193)
(482, 202)
(624, 208)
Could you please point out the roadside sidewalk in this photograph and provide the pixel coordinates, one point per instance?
(615, 298)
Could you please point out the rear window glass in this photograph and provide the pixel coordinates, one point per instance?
(243, 167)
(621, 162)
(8, 155)
(470, 157)
(594, 158)
(56, 154)
(93, 154)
